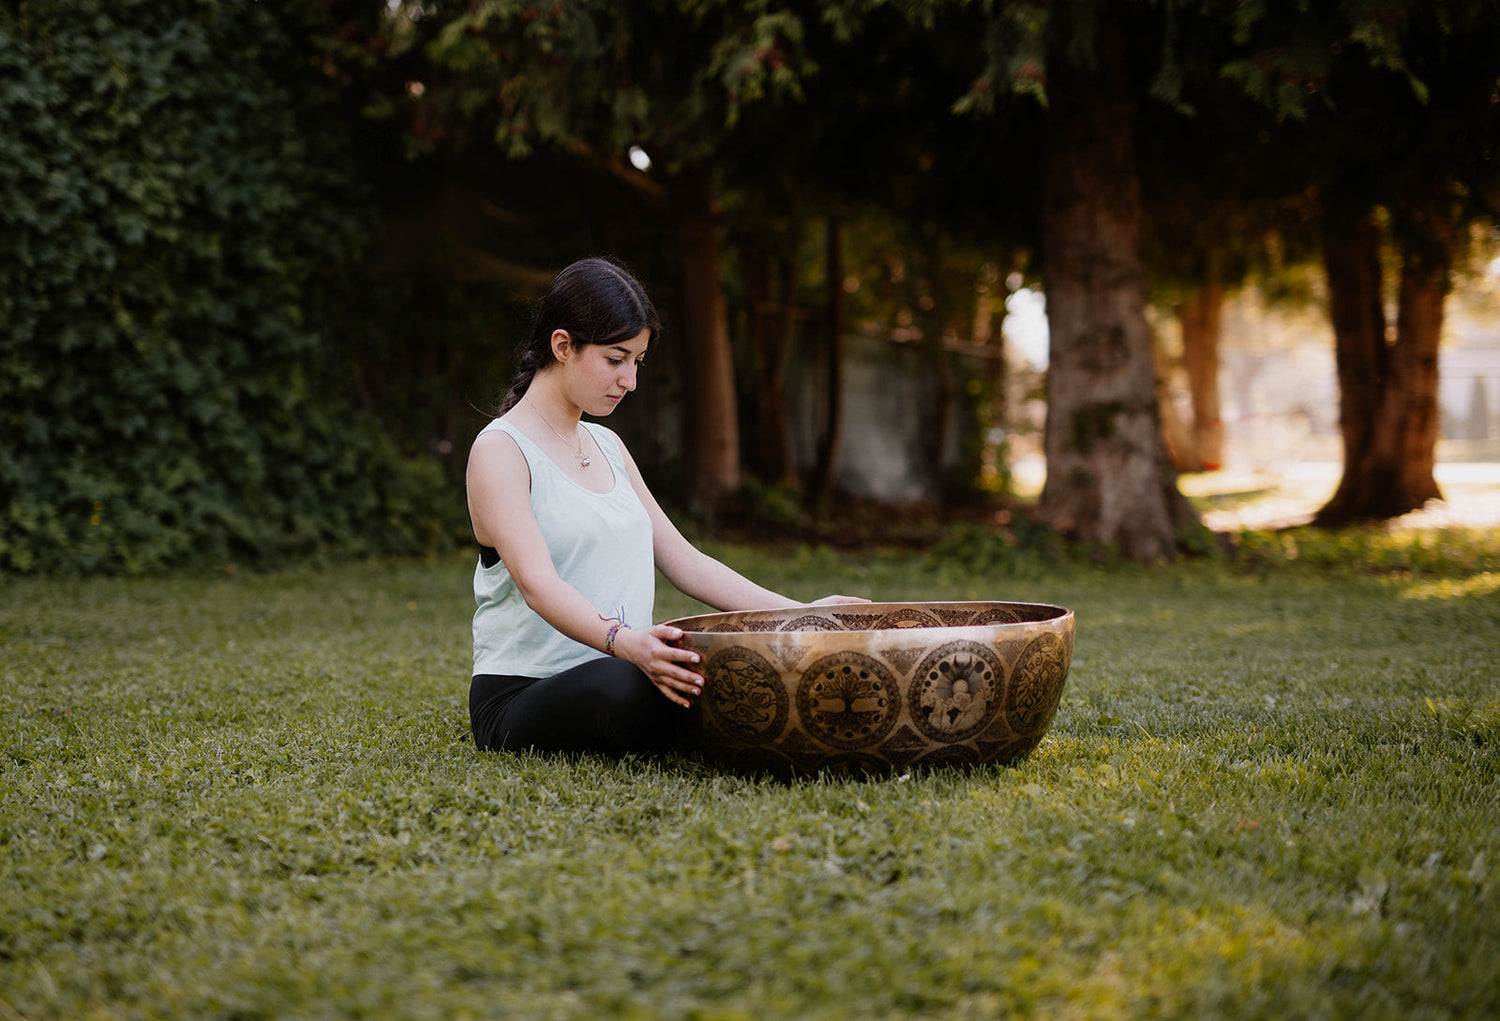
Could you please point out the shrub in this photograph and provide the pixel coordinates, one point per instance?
(182, 224)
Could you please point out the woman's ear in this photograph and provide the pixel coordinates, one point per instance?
(562, 345)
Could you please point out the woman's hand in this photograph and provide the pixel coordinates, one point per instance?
(831, 600)
(660, 662)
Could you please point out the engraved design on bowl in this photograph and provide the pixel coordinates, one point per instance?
(747, 698)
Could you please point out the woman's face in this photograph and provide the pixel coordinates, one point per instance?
(598, 376)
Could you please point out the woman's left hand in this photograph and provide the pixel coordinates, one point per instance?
(830, 600)
(668, 667)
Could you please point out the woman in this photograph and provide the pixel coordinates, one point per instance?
(565, 654)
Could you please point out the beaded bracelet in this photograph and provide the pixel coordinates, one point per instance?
(615, 624)
(609, 638)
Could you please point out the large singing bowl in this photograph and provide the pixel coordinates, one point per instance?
(877, 686)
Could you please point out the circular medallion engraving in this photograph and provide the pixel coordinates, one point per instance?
(955, 692)
(849, 700)
(1036, 684)
(745, 695)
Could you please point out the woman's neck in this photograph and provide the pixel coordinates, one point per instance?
(556, 410)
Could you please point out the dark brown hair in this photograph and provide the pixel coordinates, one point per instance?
(596, 301)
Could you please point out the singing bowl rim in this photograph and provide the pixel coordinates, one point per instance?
(702, 623)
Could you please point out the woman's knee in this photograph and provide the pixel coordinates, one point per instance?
(617, 687)
(629, 713)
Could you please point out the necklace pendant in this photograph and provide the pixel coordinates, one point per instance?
(583, 462)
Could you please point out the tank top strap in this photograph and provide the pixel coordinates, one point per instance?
(536, 458)
(610, 444)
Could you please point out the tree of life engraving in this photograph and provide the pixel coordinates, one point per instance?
(954, 693)
(746, 696)
(848, 699)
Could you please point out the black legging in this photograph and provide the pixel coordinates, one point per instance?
(604, 705)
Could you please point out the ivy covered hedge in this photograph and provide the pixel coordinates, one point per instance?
(180, 230)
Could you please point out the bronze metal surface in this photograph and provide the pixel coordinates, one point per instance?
(877, 686)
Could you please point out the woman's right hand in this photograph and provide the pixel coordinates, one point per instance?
(665, 665)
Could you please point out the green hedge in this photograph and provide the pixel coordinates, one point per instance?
(180, 236)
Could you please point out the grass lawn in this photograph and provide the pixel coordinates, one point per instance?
(1272, 790)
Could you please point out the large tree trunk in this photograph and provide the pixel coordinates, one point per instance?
(1201, 316)
(1388, 414)
(1351, 261)
(711, 442)
(833, 432)
(1419, 329)
(772, 318)
(1109, 479)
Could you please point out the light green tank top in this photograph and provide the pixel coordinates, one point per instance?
(600, 544)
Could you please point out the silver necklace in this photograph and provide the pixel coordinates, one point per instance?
(580, 456)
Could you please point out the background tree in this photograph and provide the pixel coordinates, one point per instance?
(911, 188)
(1216, 209)
(1109, 477)
(1390, 114)
(670, 78)
(1416, 166)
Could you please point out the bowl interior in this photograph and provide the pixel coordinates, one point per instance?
(872, 617)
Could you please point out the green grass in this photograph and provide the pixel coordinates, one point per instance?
(1272, 790)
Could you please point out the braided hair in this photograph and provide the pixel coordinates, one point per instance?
(596, 301)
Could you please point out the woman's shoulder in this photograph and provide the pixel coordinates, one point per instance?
(499, 443)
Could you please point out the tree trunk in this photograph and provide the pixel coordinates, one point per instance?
(710, 437)
(1419, 329)
(833, 433)
(772, 318)
(1109, 479)
(1200, 317)
(1388, 410)
(1351, 261)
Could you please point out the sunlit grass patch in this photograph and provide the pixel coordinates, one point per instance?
(1448, 552)
(1485, 583)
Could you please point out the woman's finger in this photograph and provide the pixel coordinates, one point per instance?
(683, 677)
(677, 655)
(673, 695)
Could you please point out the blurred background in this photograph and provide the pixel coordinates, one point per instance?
(1126, 270)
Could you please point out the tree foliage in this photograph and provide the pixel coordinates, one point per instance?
(183, 236)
